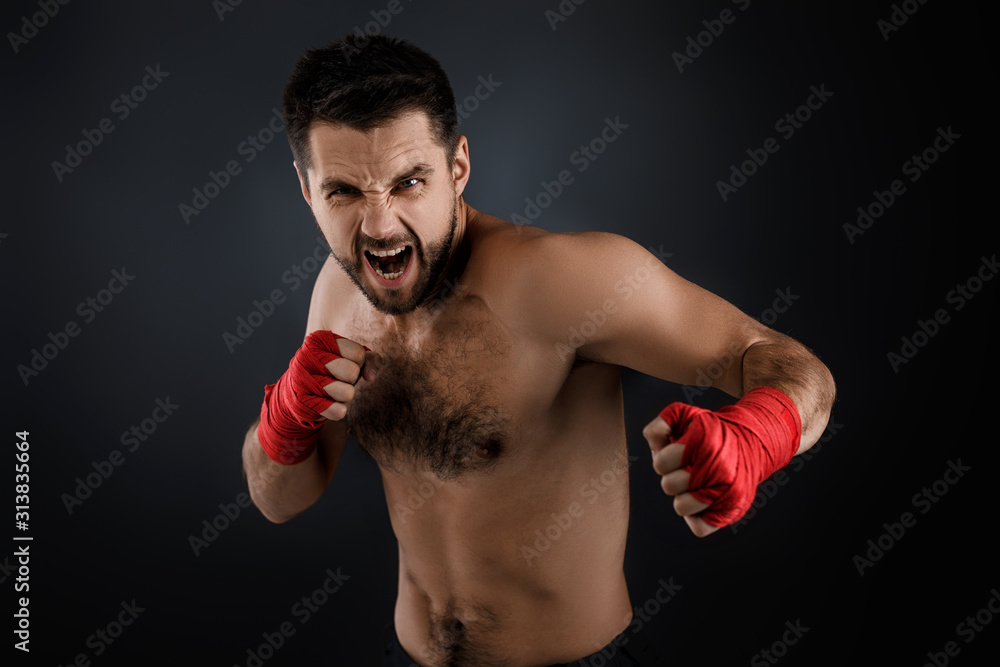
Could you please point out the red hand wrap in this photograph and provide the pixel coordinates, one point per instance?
(290, 417)
(730, 451)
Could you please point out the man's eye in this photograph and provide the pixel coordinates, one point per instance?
(408, 183)
(339, 191)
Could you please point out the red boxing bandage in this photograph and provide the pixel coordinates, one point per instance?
(730, 451)
(290, 417)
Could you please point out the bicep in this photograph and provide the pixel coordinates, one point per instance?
(680, 332)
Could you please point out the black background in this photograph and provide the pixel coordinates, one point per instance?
(162, 336)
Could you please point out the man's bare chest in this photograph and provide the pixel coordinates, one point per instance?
(442, 400)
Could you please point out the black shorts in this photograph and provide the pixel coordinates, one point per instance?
(629, 649)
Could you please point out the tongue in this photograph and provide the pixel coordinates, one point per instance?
(393, 263)
(390, 264)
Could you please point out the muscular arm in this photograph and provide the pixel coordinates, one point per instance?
(283, 491)
(612, 301)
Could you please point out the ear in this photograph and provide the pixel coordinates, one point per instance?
(304, 182)
(461, 167)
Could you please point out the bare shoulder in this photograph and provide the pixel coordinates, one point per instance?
(514, 250)
(572, 249)
(530, 258)
(529, 247)
(332, 298)
(499, 251)
(544, 280)
(491, 233)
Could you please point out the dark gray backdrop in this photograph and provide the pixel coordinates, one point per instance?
(895, 430)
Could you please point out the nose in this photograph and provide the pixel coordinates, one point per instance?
(379, 221)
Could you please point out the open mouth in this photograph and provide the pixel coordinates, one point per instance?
(391, 264)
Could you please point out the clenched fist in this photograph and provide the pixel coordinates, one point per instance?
(712, 462)
(317, 386)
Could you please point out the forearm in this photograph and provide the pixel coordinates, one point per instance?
(279, 491)
(787, 365)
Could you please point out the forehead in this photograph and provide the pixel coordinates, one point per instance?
(339, 151)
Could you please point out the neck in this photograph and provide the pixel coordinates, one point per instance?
(458, 257)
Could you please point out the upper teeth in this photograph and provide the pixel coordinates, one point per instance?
(388, 253)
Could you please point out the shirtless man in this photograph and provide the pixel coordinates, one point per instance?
(466, 368)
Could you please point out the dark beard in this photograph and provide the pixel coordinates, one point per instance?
(431, 262)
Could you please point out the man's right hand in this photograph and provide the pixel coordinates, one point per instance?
(355, 362)
(317, 386)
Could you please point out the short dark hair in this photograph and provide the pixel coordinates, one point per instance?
(365, 82)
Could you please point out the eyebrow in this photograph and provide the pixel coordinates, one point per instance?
(421, 169)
